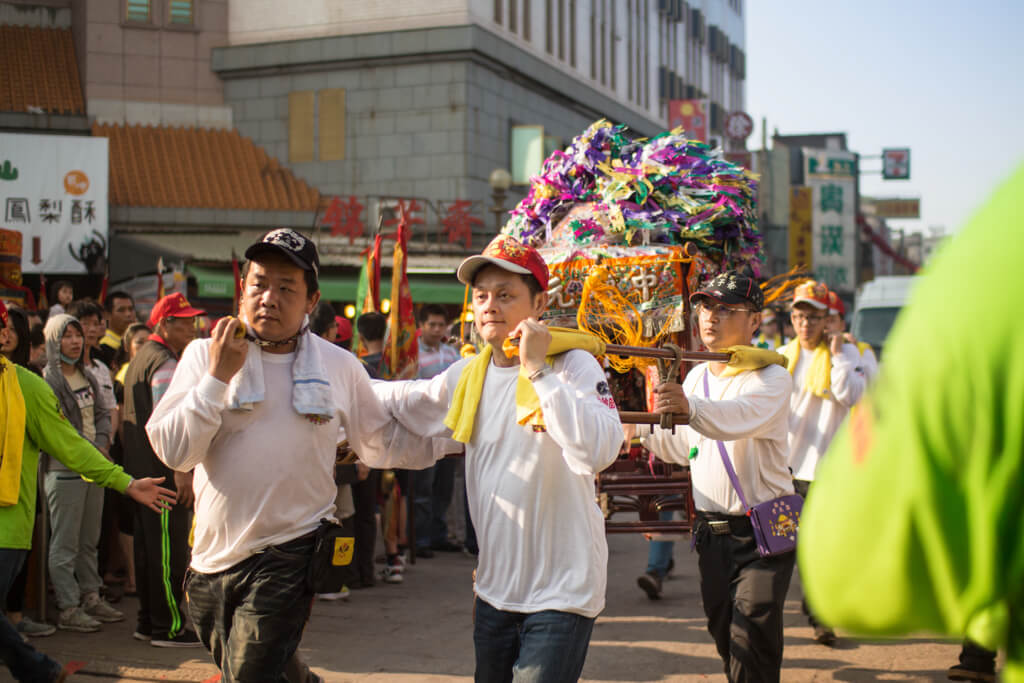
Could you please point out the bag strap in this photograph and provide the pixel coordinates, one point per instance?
(725, 455)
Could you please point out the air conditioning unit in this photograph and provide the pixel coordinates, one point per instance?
(664, 83)
(691, 92)
(680, 88)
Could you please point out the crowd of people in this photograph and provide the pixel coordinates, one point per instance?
(230, 447)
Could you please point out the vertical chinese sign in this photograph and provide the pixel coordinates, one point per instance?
(53, 190)
(801, 230)
(832, 177)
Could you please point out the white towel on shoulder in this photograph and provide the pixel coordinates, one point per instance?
(311, 392)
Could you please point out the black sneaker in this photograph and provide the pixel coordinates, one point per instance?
(424, 552)
(183, 638)
(651, 585)
(962, 672)
(825, 636)
(447, 547)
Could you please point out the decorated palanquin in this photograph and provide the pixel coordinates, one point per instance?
(628, 227)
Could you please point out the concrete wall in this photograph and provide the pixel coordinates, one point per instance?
(154, 73)
(432, 131)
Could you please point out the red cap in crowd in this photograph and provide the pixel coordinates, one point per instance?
(344, 328)
(813, 293)
(836, 305)
(508, 253)
(172, 306)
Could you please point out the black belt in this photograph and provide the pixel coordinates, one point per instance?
(724, 525)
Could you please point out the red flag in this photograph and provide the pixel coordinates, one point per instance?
(236, 272)
(160, 278)
(44, 305)
(401, 350)
(103, 287)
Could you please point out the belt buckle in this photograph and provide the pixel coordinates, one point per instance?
(720, 527)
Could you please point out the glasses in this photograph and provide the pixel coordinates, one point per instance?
(800, 318)
(720, 310)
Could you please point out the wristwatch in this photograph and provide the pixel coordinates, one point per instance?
(543, 372)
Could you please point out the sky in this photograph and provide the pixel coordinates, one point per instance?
(942, 78)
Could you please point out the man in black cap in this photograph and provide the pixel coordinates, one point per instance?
(258, 416)
(747, 410)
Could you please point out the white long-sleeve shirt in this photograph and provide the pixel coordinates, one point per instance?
(531, 494)
(813, 421)
(264, 476)
(749, 414)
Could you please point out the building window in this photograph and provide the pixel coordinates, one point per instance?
(572, 33)
(497, 10)
(137, 11)
(301, 125)
(181, 12)
(561, 30)
(603, 29)
(527, 153)
(549, 32)
(513, 16)
(526, 20)
(593, 41)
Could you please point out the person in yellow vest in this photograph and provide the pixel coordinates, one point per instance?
(30, 421)
(836, 326)
(828, 380)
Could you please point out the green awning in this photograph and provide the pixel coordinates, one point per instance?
(216, 283)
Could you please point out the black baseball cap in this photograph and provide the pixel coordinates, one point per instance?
(731, 288)
(298, 248)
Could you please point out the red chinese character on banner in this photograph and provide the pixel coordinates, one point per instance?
(343, 218)
(404, 209)
(459, 222)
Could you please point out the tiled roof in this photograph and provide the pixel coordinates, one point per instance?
(39, 69)
(198, 168)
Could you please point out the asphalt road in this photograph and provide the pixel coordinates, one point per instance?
(421, 631)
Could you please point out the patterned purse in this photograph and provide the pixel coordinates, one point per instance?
(777, 521)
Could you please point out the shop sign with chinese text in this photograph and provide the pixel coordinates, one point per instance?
(53, 190)
(832, 177)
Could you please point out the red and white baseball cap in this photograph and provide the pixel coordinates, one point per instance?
(508, 253)
(836, 305)
(173, 306)
(813, 293)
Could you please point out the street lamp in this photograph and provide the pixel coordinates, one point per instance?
(499, 181)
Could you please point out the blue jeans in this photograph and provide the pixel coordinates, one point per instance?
(659, 555)
(432, 494)
(543, 647)
(250, 617)
(25, 662)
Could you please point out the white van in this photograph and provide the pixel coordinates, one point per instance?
(878, 303)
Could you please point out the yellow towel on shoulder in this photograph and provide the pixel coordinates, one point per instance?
(750, 358)
(462, 413)
(12, 433)
(819, 376)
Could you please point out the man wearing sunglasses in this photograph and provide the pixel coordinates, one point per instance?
(828, 379)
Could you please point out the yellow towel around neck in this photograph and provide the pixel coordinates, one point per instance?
(750, 358)
(819, 376)
(12, 433)
(462, 413)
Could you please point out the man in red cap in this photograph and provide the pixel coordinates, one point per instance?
(542, 569)
(837, 326)
(828, 379)
(161, 541)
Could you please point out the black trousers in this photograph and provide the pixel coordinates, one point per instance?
(743, 595)
(364, 498)
(250, 617)
(162, 555)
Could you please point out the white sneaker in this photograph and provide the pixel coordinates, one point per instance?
(391, 574)
(99, 609)
(340, 595)
(75, 619)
